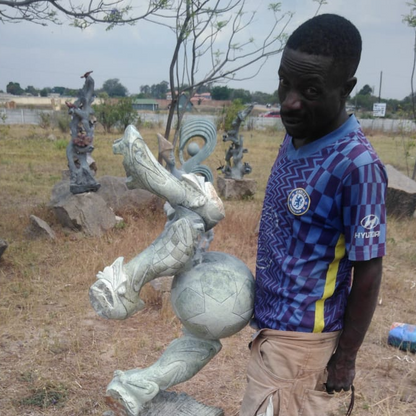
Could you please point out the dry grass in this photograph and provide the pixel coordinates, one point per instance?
(57, 355)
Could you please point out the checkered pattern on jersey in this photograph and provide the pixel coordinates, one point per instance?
(304, 261)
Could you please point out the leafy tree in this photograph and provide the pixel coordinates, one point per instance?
(112, 112)
(262, 97)
(220, 93)
(126, 113)
(45, 91)
(14, 88)
(159, 90)
(30, 89)
(145, 91)
(59, 90)
(231, 113)
(366, 90)
(114, 88)
(240, 94)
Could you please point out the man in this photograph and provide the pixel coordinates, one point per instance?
(322, 234)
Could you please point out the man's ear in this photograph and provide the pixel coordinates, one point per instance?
(348, 86)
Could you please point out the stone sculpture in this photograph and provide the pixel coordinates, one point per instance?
(234, 167)
(206, 130)
(212, 293)
(81, 146)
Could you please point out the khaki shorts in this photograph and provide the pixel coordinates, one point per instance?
(286, 374)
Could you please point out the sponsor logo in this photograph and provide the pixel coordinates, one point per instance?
(298, 201)
(369, 222)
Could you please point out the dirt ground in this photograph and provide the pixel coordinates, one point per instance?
(57, 355)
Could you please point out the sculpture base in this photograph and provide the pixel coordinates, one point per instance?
(236, 188)
(168, 403)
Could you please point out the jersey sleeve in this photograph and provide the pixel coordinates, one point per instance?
(364, 212)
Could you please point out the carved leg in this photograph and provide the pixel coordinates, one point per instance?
(115, 295)
(184, 357)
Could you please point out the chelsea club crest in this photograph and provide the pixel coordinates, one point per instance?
(298, 201)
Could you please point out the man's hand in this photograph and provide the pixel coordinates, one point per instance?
(359, 311)
(341, 372)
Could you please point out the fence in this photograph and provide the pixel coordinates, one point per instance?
(29, 116)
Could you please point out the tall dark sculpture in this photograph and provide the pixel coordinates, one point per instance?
(81, 146)
(234, 167)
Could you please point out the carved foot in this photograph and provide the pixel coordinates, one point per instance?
(127, 399)
(112, 295)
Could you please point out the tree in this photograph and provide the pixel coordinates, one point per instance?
(112, 113)
(366, 90)
(32, 90)
(45, 91)
(240, 94)
(201, 55)
(213, 40)
(42, 12)
(114, 88)
(221, 92)
(14, 88)
(410, 19)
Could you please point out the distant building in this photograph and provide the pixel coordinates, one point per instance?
(145, 104)
(182, 102)
(200, 98)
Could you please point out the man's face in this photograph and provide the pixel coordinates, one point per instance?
(311, 95)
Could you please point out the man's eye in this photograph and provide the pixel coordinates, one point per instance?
(311, 92)
(283, 82)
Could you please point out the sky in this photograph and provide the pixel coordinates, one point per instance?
(140, 55)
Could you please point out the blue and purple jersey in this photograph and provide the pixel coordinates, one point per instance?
(324, 208)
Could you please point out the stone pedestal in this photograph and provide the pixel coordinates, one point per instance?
(168, 403)
(236, 188)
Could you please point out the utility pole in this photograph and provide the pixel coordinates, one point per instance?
(379, 90)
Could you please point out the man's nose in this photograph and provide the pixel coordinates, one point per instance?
(292, 101)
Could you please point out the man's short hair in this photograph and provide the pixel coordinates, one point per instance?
(332, 36)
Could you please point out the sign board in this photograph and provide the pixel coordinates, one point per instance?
(379, 109)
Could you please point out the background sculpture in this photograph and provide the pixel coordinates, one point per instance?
(212, 292)
(206, 130)
(234, 167)
(81, 164)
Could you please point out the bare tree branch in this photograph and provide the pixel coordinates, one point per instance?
(42, 12)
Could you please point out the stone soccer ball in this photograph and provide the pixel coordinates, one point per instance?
(215, 298)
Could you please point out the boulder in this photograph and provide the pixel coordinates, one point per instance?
(86, 212)
(39, 229)
(401, 194)
(236, 188)
(115, 192)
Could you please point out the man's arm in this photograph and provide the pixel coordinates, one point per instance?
(361, 304)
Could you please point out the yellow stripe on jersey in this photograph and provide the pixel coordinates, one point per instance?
(331, 278)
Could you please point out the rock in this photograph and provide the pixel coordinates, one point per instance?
(39, 228)
(236, 188)
(86, 212)
(177, 404)
(115, 192)
(3, 246)
(60, 191)
(401, 194)
(52, 138)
